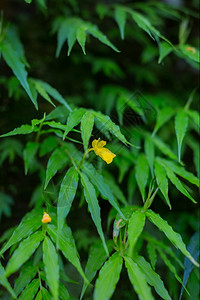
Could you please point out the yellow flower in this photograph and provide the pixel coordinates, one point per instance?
(46, 218)
(104, 153)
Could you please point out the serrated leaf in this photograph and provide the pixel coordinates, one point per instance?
(74, 119)
(111, 126)
(30, 223)
(142, 174)
(29, 154)
(177, 183)
(162, 181)
(54, 93)
(120, 18)
(164, 50)
(152, 277)
(173, 236)
(66, 196)
(14, 61)
(97, 257)
(42, 92)
(4, 282)
(31, 290)
(67, 245)
(23, 252)
(137, 278)
(26, 275)
(51, 267)
(87, 123)
(57, 160)
(93, 206)
(150, 153)
(135, 227)
(152, 254)
(180, 171)
(181, 123)
(164, 148)
(24, 129)
(163, 115)
(108, 278)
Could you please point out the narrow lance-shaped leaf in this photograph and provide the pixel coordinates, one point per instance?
(81, 37)
(108, 278)
(151, 249)
(24, 129)
(181, 123)
(142, 174)
(67, 245)
(120, 18)
(162, 181)
(56, 161)
(29, 154)
(87, 123)
(26, 275)
(30, 291)
(30, 223)
(26, 248)
(73, 120)
(97, 257)
(14, 61)
(135, 227)
(93, 206)
(138, 280)
(177, 183)
(149, 152)
(163, 115)
(173, 236)
(164, 50)
(152, 277)
(66, 196)
(51, 267)
(4, 282)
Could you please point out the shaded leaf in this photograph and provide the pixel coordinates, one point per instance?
(162, 181)
(4, 282)
(26, 275)
(142, 174)
(163, 116)
(31, 290)
(150, 152)
(120, 18)
(24, 129)
(135, 227)
(181, 123)
(74, 119)
(164, 50)
(29, 154)
(87, 123)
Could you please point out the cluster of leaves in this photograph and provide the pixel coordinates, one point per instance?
(150, 155)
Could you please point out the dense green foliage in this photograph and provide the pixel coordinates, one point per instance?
(79, 221)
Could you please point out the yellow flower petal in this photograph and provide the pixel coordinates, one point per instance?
(46, 218)
(104, 153)
(94, 143)
(101, 144)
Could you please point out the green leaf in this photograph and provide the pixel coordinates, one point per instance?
(23, 252)
(74, 119)
(110, 125)
(42, 92)
(177, 183)
(29, 154)
(97, 257)
(108, 278)
(54, 93)
(87, 123)
(39, 295)
(63, 292)
(66, 196)
(152, 254)
(51, 267)
(180, 171)
(181, 123)
(45, 294)
(67, 245)
(57, 160)
(163, 116)
(194, 116)
(164, 50)
(14, 61)
(93, 206)
(164, 148)
(190, 52)
(24, 129)
(26, 275)
(173, 236)
(142, 174)
(81, 37)
(4, 282)
(30, 223)
(162, 181)
(149, 152)
(31, 290)
(152, 277)
(135, 227)
(138, 280)
(120, 18)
